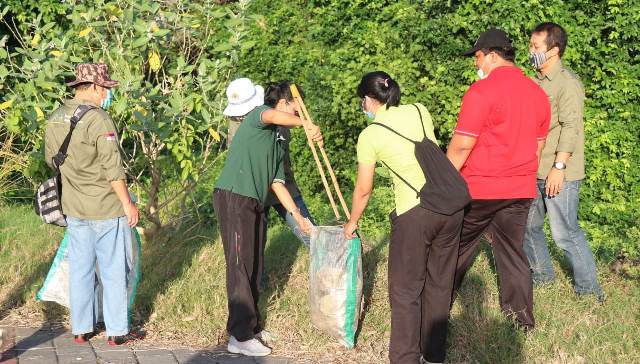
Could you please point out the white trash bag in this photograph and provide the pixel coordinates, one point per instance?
(335, 283)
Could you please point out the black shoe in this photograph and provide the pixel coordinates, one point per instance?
(81, 339)
(100, 327)
(129, 338)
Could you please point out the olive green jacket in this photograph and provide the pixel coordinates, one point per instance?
(93, 162)
(566, 130)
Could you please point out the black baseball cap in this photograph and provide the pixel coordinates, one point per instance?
(492, 38)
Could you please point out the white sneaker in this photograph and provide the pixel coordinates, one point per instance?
(424, 361)
(250, 347)
(266, 336)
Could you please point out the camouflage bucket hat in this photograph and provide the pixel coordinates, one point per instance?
(96, 73)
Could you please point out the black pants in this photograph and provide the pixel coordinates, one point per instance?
(422, 261)
(505, 222)
(243, 230)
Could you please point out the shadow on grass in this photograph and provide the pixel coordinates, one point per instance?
(370, 260)
(20, 293)
(54, 315)
(166, 256)
(478, 336)
(280, 255)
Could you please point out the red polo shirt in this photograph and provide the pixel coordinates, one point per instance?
(507, 113)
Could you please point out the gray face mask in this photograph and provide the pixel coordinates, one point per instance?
(537, 59)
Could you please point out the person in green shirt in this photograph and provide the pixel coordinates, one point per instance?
(278, 96)
(254, 166)
(561, 167)
(424, 244)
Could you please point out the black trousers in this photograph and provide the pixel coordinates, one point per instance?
(505, 222)
(243, 230)
(422, 261)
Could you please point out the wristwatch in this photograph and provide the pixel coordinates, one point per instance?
(559, 165)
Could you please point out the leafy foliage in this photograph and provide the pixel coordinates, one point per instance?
(172, 59)
(327, 45)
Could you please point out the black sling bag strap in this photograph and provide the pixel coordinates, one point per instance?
(445, 191)
(48, 199)
(59, 158)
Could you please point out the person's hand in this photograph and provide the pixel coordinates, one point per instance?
(131, 211)
(303, 223)
(553, 184)
(314, 132)
(350, 229)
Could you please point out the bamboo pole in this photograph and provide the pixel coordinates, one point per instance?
(307, 117)
(298, 102)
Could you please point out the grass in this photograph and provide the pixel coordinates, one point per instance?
(182, 300)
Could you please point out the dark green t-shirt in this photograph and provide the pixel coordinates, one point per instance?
(255, 159)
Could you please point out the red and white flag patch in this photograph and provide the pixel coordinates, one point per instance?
(110, 135)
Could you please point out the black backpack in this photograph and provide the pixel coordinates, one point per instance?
(445, 191)
(48, 199)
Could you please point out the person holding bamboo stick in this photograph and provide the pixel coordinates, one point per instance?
(278, 96)
(424, 244)
(253, 166)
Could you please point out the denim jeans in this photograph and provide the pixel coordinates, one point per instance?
(567, 234)
(291, 222)
(104, 242)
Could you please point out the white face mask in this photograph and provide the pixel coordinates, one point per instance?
(481, 73)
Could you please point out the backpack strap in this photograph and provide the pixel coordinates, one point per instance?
(421, 123)
(412, 141)
(402, 179)
(395, 132)
(79, 112)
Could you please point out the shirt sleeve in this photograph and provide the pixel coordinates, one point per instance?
(103, 133)
(545, 117)
(365, 149)
(254, 118)
(49, 150)
(570, 113)
(427, 123)
(280, 176)
(473, 113)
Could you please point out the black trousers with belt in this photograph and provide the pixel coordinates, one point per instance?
(505, 222)
(422, 262)
(242, 224)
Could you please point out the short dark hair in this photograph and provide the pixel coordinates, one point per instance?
(556, 36)
(506, 53)
(380, 86)
(277, 91)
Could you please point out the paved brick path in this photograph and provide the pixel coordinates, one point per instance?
(42, 346)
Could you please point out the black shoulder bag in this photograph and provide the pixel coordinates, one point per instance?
(48, 199)
(445, 191)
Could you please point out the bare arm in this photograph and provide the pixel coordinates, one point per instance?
(361, 195)
(120, 187)
(286, 200)
(275, 117)
(459, 149)
(555, 178)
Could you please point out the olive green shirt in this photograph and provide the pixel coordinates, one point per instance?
(566, 130)
(93, 162)
(284, 135)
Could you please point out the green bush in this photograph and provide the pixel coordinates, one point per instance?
(328, 45)
(173, 61)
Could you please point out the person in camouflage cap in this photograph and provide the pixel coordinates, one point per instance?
(96, 202)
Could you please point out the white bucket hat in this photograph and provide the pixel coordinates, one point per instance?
(243, 96)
